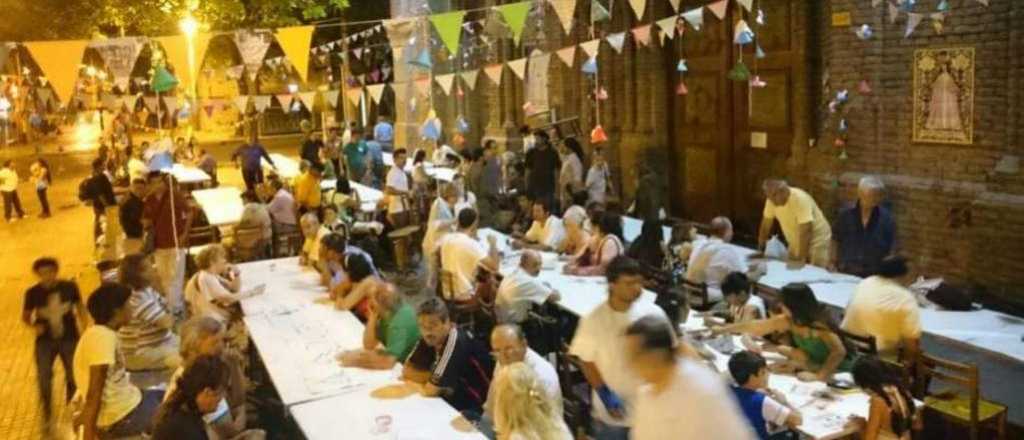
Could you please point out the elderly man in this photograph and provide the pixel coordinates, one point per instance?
(451, 364)
(462, 254)
(865, 233)
(882, 307)
(714, 258)
(546, 232)
(508, 344)
(803, 224)
(391, 332)
(521, 288)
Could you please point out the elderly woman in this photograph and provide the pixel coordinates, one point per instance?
(576, 238)
(204, 336)
(216, 286)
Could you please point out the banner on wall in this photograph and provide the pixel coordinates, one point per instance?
(537, 81)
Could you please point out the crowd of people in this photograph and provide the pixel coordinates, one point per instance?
(644, 373)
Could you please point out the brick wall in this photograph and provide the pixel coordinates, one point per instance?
(926, 181)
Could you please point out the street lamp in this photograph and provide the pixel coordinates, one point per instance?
(189, 26)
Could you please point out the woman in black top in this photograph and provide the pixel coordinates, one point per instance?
(649, 248)
(200, 390)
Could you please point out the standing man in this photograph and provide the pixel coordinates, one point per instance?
(864, 233)
(601, 345)
(384, 133)
(490, 185)
(803, 224)
(397, 188)
(98, 192)
(355, 156)
(250, 155)
(9, 190)
(307, 189)
(168, 217)
(542, 167)
(54, 309)
(131, 217)
(311, 146)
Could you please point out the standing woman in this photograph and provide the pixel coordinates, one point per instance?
(570, 178)
(41, 175)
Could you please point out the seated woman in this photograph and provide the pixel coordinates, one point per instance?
(891, 415)
(204, 337)
(353, 293)
(147, 339)
(576, 239)
(815, 348)
(523, 409)
(605, 245)
(216, 286)
(649, 248)
(197, 396)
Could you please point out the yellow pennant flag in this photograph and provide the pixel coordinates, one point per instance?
(177, 52)
(295, 43)
(59, 61)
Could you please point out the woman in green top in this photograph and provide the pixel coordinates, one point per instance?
(814, 347)
(391, 332)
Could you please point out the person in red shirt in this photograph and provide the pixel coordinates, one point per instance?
(168, 219)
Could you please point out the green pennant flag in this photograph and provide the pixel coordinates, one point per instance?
(449, 27)
(515, 16)
(163, 81)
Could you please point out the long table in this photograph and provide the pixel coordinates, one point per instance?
(298, 335)
(222, 206)
(189, 175)
(285, 166)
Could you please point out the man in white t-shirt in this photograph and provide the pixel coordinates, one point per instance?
(462, 254)
(600, 343)
(681, 398)
(521, 288)
(714, 258)
(508, 344)
(396, 187)
(803, 224)
(116, 408)
(883, 308)
(546, 232)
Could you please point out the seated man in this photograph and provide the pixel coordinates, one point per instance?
(255, 215)
(521, 288)
(390, 334)
(111, 405)
(546, 233)
(462, 254)
(450, 363)
(715, 258)
(883, 308)
(282, 207)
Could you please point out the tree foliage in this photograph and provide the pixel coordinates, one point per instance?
(62, 19)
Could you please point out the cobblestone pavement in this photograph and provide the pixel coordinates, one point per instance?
(67, 236)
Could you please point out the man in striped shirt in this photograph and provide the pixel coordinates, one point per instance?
(146, 339)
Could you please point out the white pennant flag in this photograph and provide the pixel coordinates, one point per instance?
(152, 103)
(590, 47)
(875, 3)
(675, 5)
(913, 19)
(617, 40)
(445, 81)
(307, 99)
(332, 98)
(518, 67)
(172, 104)
(639, 7)
(565, 10)
(984, 2)
(494, 73)
(894, 13)
(470, 77)
(567, 55)
(695, 17)
(261, 102)
(668, 26)
(376, 91)
(747, 4)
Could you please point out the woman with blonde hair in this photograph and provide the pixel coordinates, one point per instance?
(523, 410)
(216, 286)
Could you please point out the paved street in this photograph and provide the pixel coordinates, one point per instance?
(67, 235)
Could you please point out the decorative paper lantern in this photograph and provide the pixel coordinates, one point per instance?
(597, 135)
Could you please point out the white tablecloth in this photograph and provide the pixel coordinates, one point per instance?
(368, 196)
(222, 206)
(287, 167)
(631, 228)
(187, 175)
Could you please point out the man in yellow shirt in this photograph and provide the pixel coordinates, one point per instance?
(803, 224)
(307, 189)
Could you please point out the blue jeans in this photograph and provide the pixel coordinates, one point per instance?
(603, 431)
(47, 350)
(138, 421)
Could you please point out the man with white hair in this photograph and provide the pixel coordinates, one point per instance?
(521, 288)
(865, 233)
(714, 258)
(803, 224)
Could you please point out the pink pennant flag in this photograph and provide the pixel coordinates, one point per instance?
(681, 88)
(518, 67)
(354, 95)
(494, 73)
(601, 94)
(719, 8)
(285, 99)
(567, 55)
(642, 34)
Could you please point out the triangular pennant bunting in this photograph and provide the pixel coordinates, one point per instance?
(639, 7)
(617, 41)
(913, 19)
(354, 95)
(423, 86)
(59, 61)
(515, 16)
(332, 98)
(894, 13)
(747, 4)
(294, 42)
(376, 91)
(119, 55)
(449, 27)
(152, 103)
(675, 5)
(445, 81)
(695, 17)
(565, 9)
(518, 67)
(719, 8)
(176, 48)
(938, 21)
(598, 12)
(284, 99)
(567, 55)
(590, 47)
(668, 26)
(399, 30)
(261, 102)
(642, 34)
(308, 99)
(242, 103)
(470, 77)
(494, 73)
(172, 104)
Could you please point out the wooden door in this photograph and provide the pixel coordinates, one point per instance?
(721, 172)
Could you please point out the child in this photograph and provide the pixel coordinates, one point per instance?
(763, 407)
(742, 306)
(891, 415)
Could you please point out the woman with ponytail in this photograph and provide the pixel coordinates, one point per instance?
(891, 415)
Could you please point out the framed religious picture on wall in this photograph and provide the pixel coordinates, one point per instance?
(944, 95)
